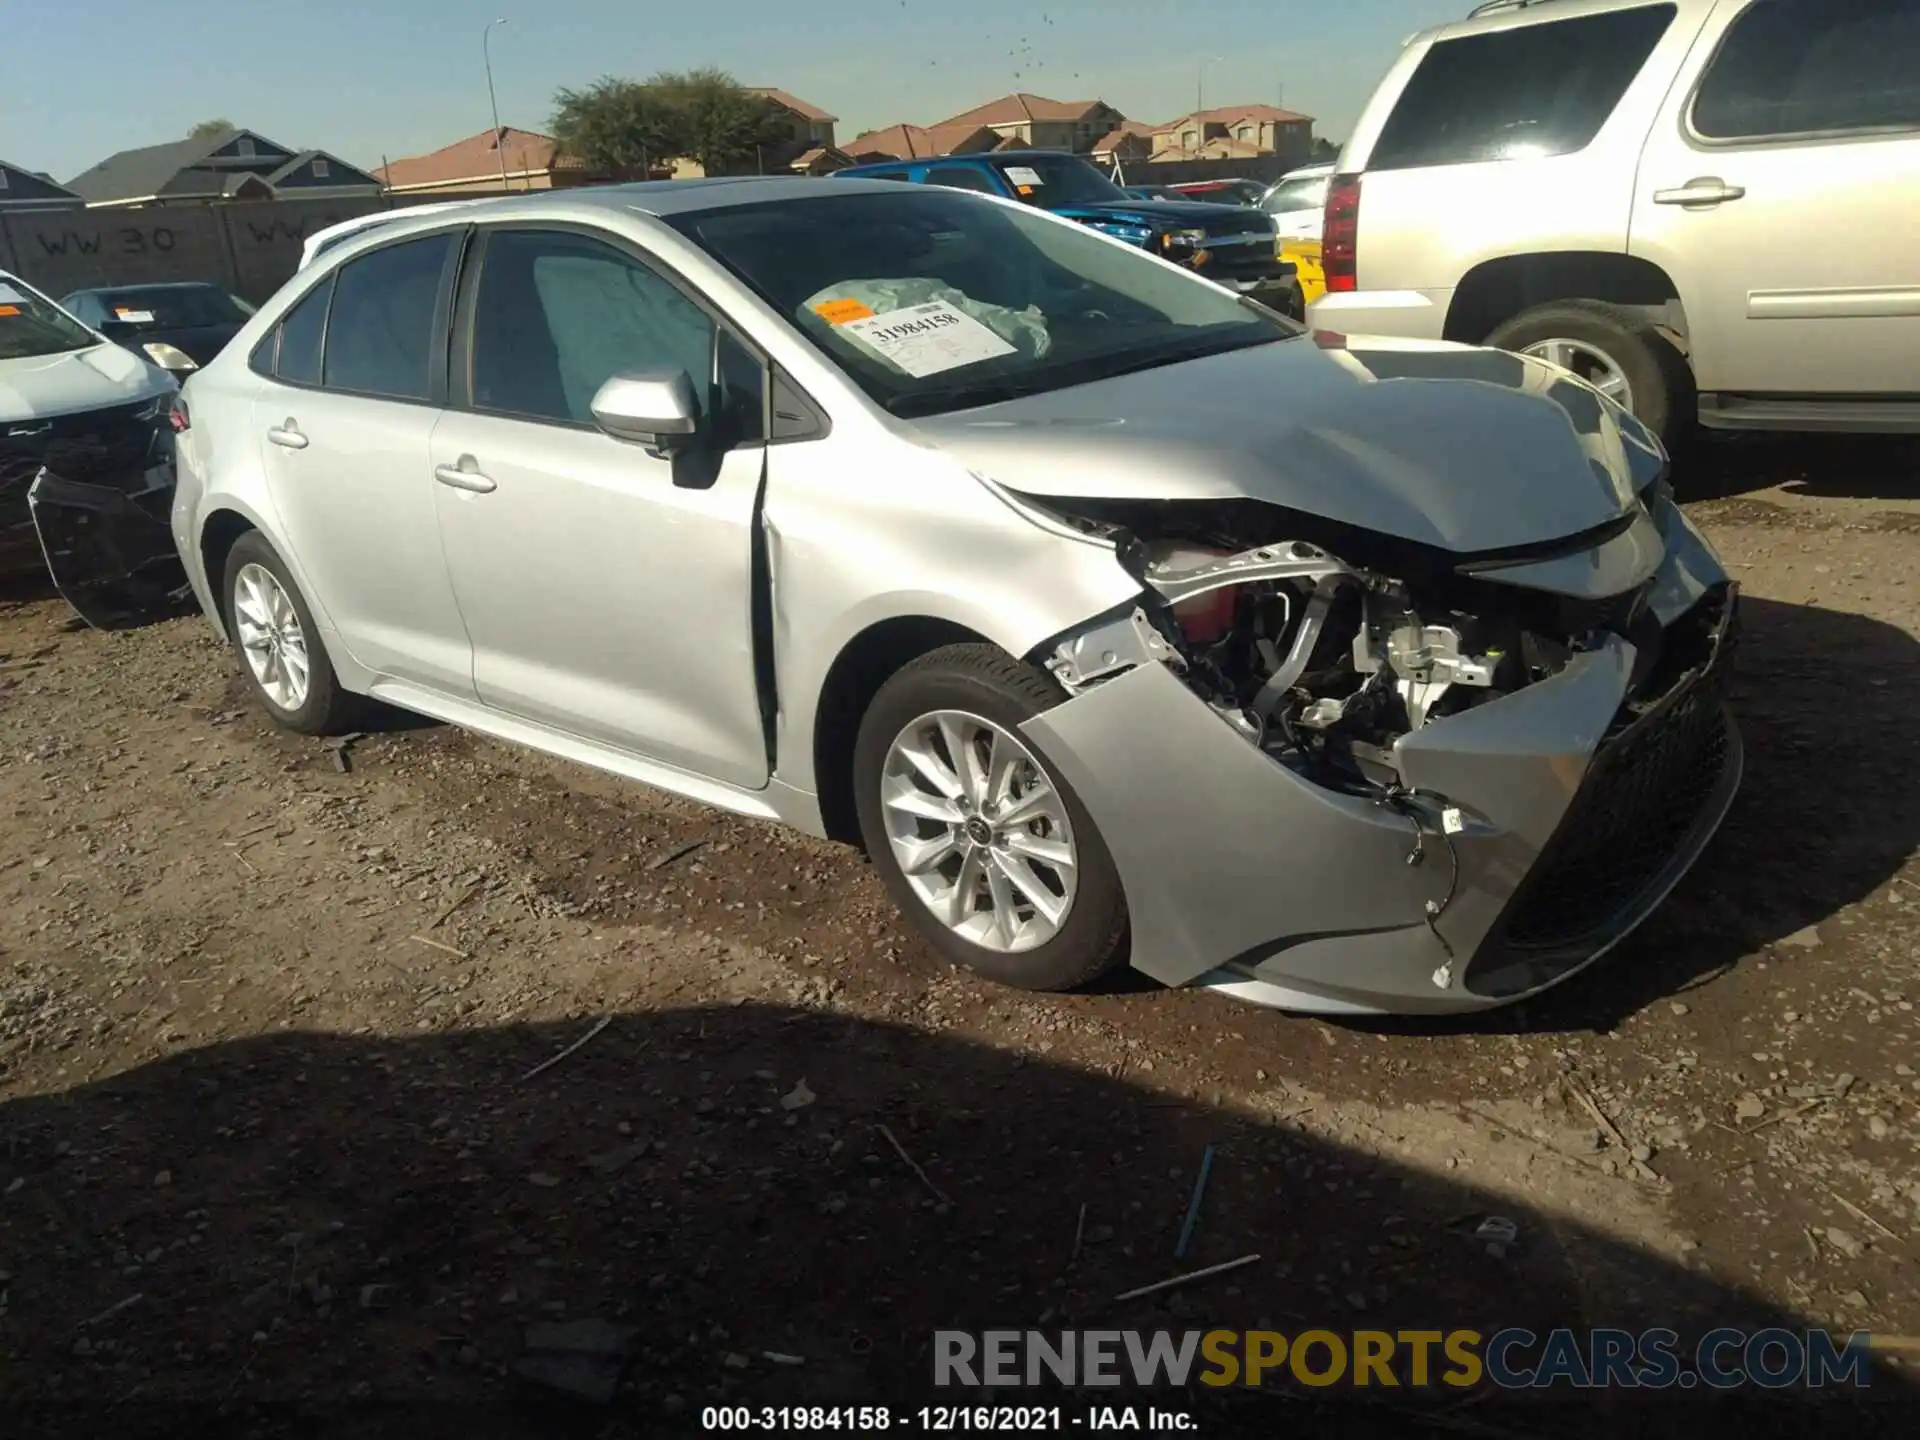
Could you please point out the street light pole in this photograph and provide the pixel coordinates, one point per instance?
(499, 142)
(1200, 81)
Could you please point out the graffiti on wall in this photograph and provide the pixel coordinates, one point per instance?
(121, 240)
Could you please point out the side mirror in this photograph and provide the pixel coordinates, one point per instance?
(654, 408)
(118, 331)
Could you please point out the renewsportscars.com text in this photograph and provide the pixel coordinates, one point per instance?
(1512, 1359)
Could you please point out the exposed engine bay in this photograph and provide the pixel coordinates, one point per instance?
(1324, 662)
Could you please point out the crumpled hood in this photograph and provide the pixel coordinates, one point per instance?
(1467, 450)
(91, 379)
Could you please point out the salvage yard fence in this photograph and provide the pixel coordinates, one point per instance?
(249, 248)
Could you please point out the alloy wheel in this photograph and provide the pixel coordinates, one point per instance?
(979, 830)
(1590, 363)
(271, 637)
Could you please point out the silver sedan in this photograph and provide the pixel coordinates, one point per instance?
(1120, 619)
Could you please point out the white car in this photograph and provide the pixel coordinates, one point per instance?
(78, 407)
(1298, 201)
(1703, 208)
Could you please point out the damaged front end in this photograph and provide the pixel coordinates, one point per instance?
(88, 497)
(1414, 780)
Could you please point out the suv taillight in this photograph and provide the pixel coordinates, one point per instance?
(178, 416)
(1340, 234)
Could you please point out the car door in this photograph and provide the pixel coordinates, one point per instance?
(1779, 193)
(607, 589)
(355, 375)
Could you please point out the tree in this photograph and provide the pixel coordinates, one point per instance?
(617, 126)
(719, 124)
(626, 126)
(1325, 151)
(207, 129)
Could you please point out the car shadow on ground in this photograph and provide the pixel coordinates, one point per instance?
(1861, 467)
(1828, 813)
(302, 1219)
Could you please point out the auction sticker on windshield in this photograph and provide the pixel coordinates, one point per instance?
(927, 339)
(1023, 175)
(839, 312)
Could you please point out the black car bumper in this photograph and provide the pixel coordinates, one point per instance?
(86, 497)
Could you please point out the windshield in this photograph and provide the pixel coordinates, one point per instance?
(1050, 180)
(31, 324)
(935, 300)
(1309, 192)
(174, 307)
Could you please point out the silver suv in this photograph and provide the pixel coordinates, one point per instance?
(1700, 206)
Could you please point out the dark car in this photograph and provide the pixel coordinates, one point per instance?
(1152, 192)
(179, 327)
(1227, 243)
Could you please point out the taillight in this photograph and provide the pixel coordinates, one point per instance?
(178, 416)
(1340, 234)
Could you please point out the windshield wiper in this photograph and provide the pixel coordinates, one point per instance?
(961, 397)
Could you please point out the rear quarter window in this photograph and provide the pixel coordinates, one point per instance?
(1522, 93)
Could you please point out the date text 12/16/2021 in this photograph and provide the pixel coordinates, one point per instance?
(946, 1419)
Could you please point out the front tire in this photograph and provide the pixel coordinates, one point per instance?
(280, 650)
(980, 842)
(1618, 351)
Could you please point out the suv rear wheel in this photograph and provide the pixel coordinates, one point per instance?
(1617, 351)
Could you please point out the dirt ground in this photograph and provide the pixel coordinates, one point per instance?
(274, 1131)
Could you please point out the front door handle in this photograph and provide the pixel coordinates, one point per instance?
(288, 436)
(1702, 190)
(464, 476)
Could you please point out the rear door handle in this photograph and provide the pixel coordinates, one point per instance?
(1702, 190)
(288, 436)
(462, 477)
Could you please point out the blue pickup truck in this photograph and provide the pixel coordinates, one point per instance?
(1229, 244)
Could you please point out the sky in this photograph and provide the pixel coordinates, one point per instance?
(366, 80)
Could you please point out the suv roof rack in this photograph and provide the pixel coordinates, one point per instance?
(1493, 5)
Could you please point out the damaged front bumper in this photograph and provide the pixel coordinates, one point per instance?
(1534, 832)
(85, 496)
(110, 549)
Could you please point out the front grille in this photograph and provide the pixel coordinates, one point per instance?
(1639, 804)
(96, 447)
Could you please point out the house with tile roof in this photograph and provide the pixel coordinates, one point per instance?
(1234, 132)
(230, 165)
(1128, 141)
(1027, 121)
(473, 166)
(919, 142)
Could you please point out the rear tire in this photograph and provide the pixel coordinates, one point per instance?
(984, 695)
(279, 647)
(1663, 397)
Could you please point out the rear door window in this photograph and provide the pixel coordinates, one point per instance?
(1800, 67)
(1523, 93)
(383, 329)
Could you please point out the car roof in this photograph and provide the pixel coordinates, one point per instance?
(663, 198)
(1512, 14)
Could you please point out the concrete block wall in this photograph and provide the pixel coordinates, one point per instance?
(249, 248)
